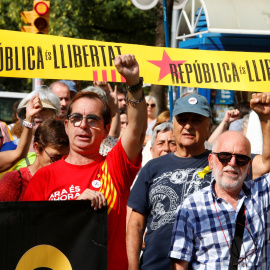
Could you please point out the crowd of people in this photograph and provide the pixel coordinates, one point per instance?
(172, 203)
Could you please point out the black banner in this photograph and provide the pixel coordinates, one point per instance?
(60, 235)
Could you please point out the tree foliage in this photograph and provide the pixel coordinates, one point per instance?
(103, 20)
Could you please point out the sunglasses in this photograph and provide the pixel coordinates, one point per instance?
(52, 159)
(151, 105)
(225, 157)
(249, 252)
(92, 120)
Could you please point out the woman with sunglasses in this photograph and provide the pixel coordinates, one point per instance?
(151, 119)
(50, 144)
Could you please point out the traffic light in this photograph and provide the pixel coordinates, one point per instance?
(27, 18)
(38, 18)
(41, 17)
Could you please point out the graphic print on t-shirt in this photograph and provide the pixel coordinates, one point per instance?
(107, 187)
(104, 185)
(70, 193)
(169, 190)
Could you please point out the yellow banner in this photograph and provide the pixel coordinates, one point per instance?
(27, 55)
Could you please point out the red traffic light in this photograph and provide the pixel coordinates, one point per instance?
(41, 8)
(41, 16)
(38, 18)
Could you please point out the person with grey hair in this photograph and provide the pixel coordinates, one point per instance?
(165, 182)
(50, 102)
(225, 225)
(162, 141)
(10, 158)
(151, 103)
(98, 91)
(50, 110)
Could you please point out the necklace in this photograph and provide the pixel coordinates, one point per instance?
(221, 225)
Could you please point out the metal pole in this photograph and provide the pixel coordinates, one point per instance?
(36, 82)
(165, 18)
(167, 44)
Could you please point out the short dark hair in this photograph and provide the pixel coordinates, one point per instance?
(51, 133)
(123, 111)
(243, 107)
(121, 91)
(106, 113)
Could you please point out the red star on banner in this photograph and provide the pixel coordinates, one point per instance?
(164, 65)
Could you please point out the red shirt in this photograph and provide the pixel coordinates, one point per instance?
(13, 185)
(111, 175)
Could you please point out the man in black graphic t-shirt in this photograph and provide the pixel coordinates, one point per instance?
(165, 182)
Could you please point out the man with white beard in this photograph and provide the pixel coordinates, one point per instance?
(229, 216)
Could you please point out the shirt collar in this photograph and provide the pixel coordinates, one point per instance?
(244, 191)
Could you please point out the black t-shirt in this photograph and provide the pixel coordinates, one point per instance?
(163, 183)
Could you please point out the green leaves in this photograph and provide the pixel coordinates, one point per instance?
(103, 20)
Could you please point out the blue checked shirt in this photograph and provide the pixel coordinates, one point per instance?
(198, 237)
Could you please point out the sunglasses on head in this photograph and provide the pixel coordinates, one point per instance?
(151, 105)
(225, 157)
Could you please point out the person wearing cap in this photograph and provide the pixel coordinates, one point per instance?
(10, 158)
(164, 182)
(62, 91)
(51, 109)
(72, 87)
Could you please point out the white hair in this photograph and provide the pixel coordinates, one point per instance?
(148, 98)
(166, 126)
(48, 99)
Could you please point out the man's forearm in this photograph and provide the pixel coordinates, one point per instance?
(223, 126)
(134, 244)
(134, 238)
(179, 265)
(133, 137)
(261, 164)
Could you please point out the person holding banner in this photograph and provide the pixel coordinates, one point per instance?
(86, 175)
(165, 182)
(10, 158)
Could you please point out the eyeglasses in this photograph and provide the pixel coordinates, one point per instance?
(251, 251)
(92, 120)
(52, 159)
(225, 157)
(151, 105)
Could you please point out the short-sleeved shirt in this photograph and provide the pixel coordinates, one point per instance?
(13, 185)
(163, 183)
(199, 238)
(111, 175)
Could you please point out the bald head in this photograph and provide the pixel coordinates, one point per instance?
(233, 142)
(62, 91)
